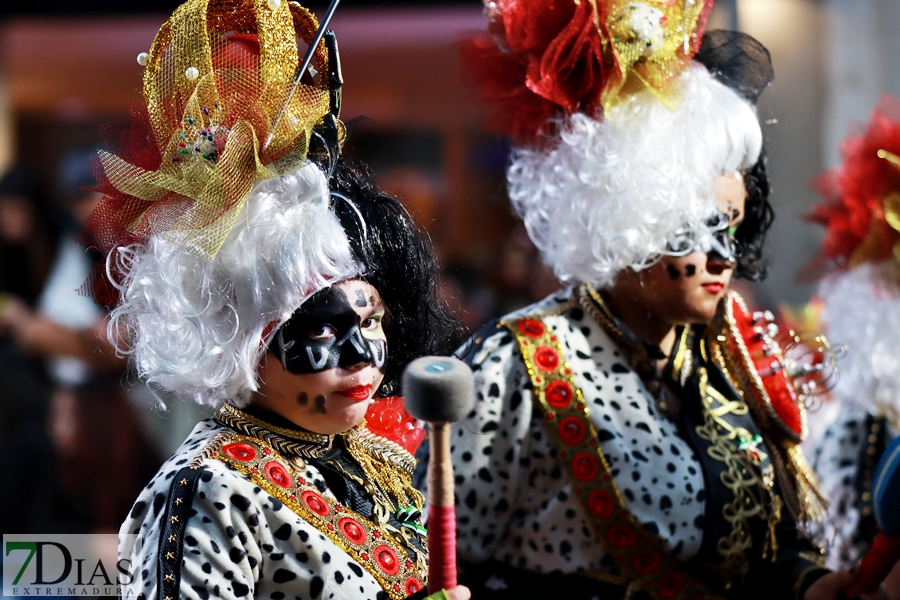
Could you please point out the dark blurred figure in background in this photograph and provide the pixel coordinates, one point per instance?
(89, 444)
(28, 237)
(28, 234)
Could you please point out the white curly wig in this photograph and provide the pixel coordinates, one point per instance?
(613, 193)
(196, 327)
(862, 311)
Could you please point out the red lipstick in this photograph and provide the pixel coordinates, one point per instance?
(713, 287)
(357, 392)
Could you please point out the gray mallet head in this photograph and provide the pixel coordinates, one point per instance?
(438, 389)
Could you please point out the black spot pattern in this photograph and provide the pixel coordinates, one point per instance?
(528, 516)
(836, 457)
(241, 541)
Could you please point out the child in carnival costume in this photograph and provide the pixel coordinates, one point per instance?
(635, 434)
(860, 299)
(254, 270)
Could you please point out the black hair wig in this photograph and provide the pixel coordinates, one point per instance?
(399, 262)
(743, 64)
(758, 216)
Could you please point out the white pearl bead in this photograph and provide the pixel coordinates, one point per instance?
(274, 4)
(143, 58)
(192, 73)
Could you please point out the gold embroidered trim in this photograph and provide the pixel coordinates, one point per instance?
(376, 548)
(799, 484)
(639, 554)
(736, 448)
(817, 558)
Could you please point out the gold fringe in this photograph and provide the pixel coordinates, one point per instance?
(387, 478)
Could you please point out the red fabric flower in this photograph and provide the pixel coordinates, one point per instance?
(387, 417)
(539, 59)
(550, 58)
(854, 193)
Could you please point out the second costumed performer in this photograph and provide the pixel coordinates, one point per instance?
(635, 434)
(257, 272)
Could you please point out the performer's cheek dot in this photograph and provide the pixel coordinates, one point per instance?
(320, 405)
(302, 399)
(673, 272)
(690, 270)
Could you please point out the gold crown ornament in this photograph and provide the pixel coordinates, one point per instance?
(223, 111)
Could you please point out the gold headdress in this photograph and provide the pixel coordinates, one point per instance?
(222, 113)
(544, 58)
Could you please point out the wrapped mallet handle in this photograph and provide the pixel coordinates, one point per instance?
(885, 551)
(439, 390)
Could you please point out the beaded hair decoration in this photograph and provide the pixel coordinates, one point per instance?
(222, 113)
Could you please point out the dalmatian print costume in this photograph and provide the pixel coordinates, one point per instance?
(515, 503)
(233, 540)
(844, 461)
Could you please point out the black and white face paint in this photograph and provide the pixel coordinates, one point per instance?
(721, 246)
(332, 330)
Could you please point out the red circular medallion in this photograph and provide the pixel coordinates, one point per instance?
(315, 503)
(646, 562)
(531, 327)
(571, 430)
(387, 559)
(413, 585)
(601, 503)
(670, 584)
(622, 536)
(277, 474)
(238, 451)
(559, 394)
(546, 358)
(585, 466)
(352, 530)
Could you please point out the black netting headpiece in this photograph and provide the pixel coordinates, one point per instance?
(738, 61)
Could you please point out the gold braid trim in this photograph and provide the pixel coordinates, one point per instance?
(751, 491)
(300, 443)
(387, 465)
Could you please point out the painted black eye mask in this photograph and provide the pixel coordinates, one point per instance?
(325, 334)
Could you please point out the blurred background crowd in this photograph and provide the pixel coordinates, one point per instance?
(81, 436)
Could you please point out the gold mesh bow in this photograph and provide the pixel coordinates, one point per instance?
(212, 103)
(652, 42)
